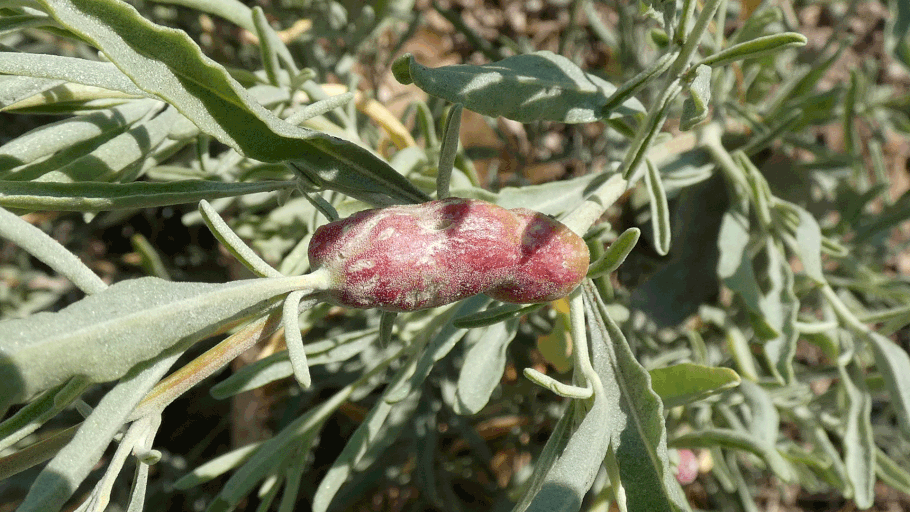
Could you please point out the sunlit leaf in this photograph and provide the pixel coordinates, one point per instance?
(636, 423)
(684, 383)
(540, 86)
(167, 64)
(859, 445)
(894, 365)
(104, 335)
(483, 365)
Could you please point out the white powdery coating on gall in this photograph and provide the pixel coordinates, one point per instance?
(362, 265)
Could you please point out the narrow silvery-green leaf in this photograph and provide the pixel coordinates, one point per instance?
(268, 491)
(292, 480)
(137, 492)
(859, 445)
(17, 22)
(739, 440)
(550, 454)
(757, 47)
(49, 251)
(616, 254)
(32, 416)
(760, 22)
(494, 315)
(386, 326)
(764, 420)
(37, 452)
(95, 196)
(779, 307)
(296, 437)
(660, 211)
(320, 107)
(483, 365)
(252, 376)
(379, 429)
(735, 265)
(268, 457)
(891, 473)
(684, 383)
(423, 116)
(561, 389)
(54, 145)
(648, 130)
(894, 365)
(834, 247)
(573, 472)
(780, 126)
(450, 135)
(294, 341)
(691, 40)
(168, 65)
(808, 236)
(554, 198)
(231, 10)
(441, 344)
(539, 86)
(14, 89)
(628, 89)
(80, 71)
(324, 207)
(695, 108)
(70, 99)
(115, 159)
(738, 487)
(635, 416)
(685, 20)
(575, 463)
(278, 366)
(699, 348)
(130, 440)
(741, 353)
(823, 443)
(149, 258)
(851, 99)
(62, 476)
(758, 189)
(233, 243)
(104, 335)
(269, 54)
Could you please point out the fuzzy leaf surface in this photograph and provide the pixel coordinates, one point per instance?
(539, 86)
(636, 421)
(104, 335)
(684, 383)
(167, 64)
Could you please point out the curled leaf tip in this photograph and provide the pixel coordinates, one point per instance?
(401, 68)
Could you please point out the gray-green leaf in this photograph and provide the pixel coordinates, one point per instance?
(539, 86)
(96, 196)
(635, 416)
(684, 383)
(104, 335)
(167, 64)
(894, 365)
(483, 366)
(757, 47)
(695, 108)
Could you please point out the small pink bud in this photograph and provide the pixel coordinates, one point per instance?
(406, 258)
(687, 469)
